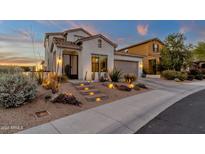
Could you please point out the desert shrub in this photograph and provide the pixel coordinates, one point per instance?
(124, 88)
(194, 72)
(182, 76)
(171, 75)
(190, 77)
(16, 89)
(104, 77)
(62, 78)
(51, 82)
(130, 78)
(136, 87)
(141, 85)
(199, 76)
(10, 70)
(66, 98)
(115, 75)
(39, 75)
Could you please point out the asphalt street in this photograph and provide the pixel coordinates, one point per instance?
(186, 116)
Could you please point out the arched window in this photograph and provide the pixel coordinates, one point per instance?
(99, 43)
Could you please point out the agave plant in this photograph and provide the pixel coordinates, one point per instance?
(115, 75)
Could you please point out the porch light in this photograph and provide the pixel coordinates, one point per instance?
(86, 88)
(131, 86)
(91, 93)
(140, 65)
(110, 85)
(98, 99)
(59, 61)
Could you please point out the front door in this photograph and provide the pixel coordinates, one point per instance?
(71, 66)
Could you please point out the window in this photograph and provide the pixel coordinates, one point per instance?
(155, 47)
(99, 43)
(99, 63)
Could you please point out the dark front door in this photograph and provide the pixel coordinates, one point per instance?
(71, 66)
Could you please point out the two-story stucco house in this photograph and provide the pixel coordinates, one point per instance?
(86, 55)
(150, 50)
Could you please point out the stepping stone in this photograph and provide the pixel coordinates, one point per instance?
(87, 92)
(85, 86)
(92, 98)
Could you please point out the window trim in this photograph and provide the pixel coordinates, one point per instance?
(98, 63)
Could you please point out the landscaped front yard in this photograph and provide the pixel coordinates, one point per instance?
(23, 117)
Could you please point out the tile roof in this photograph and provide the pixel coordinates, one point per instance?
(140, 43)
(61, 43)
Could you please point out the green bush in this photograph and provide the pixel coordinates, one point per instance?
(16, 89)
(194, 72)
(130, 78)
(190, 77)
(199, 76)
(182, 76)
(171, 75)
(141, 85)
(115, 75)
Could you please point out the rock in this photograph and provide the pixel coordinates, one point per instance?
(177, 80)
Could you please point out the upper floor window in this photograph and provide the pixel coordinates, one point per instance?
(99, 43)
(155, 47)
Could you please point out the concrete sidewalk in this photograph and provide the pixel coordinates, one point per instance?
(122, 116)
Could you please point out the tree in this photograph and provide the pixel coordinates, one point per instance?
(176, 54)
(199, 51)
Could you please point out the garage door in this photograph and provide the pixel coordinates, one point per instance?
(127, 66)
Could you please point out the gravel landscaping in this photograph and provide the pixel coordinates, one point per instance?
(16, 119)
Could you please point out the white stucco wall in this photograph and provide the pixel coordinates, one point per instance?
(90, 47)
(133, 59)
(71, 35)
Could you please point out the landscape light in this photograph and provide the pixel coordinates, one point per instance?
(91, 93)
(111, 86)
(86, 88)
(98, 99)
(131, 86)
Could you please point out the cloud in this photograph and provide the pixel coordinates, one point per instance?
(142, 29)
(184, 29)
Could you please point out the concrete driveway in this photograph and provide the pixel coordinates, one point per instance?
(122, 116)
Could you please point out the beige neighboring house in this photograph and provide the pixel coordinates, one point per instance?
(86, 55)
(150, 50)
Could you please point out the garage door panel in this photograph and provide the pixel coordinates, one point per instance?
(127, 66)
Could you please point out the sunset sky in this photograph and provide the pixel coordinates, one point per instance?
(16, 47)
